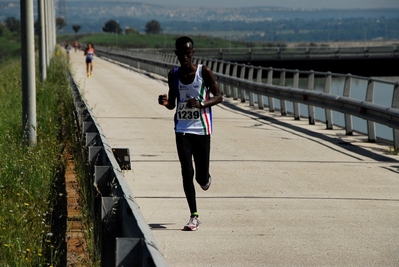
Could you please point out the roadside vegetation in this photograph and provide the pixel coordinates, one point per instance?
(157, 41)
(32, 187)
(10, 45)
(28, 174)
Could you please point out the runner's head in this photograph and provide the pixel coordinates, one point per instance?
(184, 42)
(184, 50)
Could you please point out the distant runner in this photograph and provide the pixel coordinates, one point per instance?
(76, 45)
(68, 50)
(89, 53)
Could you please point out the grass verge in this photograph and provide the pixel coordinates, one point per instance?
(32, 190)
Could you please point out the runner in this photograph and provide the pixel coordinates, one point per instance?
(68, 50)
(76, 45)
(89, 53)
(190, 86)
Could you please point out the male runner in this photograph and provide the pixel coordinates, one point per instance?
(190, 88)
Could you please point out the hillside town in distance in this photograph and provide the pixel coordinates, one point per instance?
(272, 24)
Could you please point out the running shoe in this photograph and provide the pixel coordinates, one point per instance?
(192, 224)
(206, 187)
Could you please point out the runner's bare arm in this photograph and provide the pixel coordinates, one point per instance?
(169, 101)
(210, 82)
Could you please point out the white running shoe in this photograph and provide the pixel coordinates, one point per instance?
(192, 224)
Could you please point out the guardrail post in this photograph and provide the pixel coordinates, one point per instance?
(208, 63)
(242, 76)
(366, 52)
(295, 84)
(220, 70)
(347, 93)
(328, 112)
(283, 103)
(214, 65)
(337, 52)
(235, 89)
(308, 53)
(227, 72)
(157, 69)
(250, 78)
(221, 53)
(311, 109)
(270, 81)
(259, 80)
(278, 53)
(395, 105)
(370, 124)
(250, 53)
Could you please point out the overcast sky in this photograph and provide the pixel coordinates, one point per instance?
(341, 4)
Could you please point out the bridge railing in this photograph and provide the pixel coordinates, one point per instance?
(253, 83)
(304, 52)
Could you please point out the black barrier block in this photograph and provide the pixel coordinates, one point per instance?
(110, 229)
(93, 139)
(102, 180)
(129, 252)
(122, 156)
(94, 154)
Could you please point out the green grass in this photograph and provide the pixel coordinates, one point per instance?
(159, 41)
(31, 225)
(10, 46)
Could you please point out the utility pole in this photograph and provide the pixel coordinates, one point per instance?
(28, 73)
(42, 40)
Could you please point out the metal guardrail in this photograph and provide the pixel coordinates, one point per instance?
(237, 80)
(299, 53)
(306, 52)
(124, 235)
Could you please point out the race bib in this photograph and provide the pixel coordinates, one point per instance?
(186, 113)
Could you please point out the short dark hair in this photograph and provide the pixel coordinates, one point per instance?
(181, 41)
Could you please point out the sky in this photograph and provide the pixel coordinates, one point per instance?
(340, 4)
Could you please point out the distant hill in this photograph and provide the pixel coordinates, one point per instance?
(253, 24)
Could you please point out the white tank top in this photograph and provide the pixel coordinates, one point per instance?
(192, 120)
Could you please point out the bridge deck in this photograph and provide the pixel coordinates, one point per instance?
(284, 193)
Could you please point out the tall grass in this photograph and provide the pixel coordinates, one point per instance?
(30, 176)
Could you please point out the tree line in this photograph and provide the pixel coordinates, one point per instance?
(12, 24)
(113, 26)
(290, 30)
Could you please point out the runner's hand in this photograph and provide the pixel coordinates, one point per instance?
(193, 103)
(163, 100)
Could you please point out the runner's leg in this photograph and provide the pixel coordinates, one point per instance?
(184, 151)
(201, 153)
